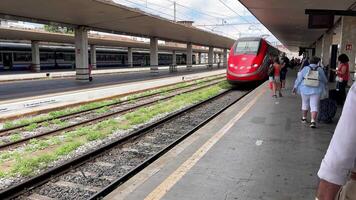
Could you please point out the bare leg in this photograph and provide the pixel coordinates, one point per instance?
(305, 114)
(279, 88)
(313, 116)
(274, 88)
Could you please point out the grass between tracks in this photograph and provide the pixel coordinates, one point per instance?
(38, 154)
(58, 113)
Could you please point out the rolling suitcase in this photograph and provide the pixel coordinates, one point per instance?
(327, 110)
(336, 96)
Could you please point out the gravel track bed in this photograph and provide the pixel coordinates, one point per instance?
(92, 114)
(123, 158)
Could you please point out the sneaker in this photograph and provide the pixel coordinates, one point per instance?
(304, 120)
(274, 96)
(280, 95)
(312, 125)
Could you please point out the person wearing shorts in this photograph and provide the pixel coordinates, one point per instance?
(276, 84)
(310, 95)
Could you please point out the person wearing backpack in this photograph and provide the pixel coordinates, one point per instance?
(310, 84)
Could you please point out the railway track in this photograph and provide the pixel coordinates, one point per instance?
(113, 110)
(99, 171)
(4, 131)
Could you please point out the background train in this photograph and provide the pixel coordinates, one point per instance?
(249, 60)
(14, 57)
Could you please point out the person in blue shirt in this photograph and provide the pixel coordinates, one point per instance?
(310, 94)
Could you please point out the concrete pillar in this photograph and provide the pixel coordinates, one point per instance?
(81, 53)
(211, 57)
(36, 67)
(318, 48)
(348, 39)
(189, 56)
(326, 44)
(199, 58)
(129, 57)
(93, 56)
(174, 58)
(225, 58)
(154, 54)
(215, 58)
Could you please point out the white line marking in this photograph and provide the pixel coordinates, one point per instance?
(170, 181)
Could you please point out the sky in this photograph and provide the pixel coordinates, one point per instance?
(225, 17)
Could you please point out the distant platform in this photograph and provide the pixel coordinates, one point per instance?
(36, 96)
(257, 149)
(8, 76)
(30, 88)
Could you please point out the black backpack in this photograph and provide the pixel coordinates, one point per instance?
(271, 70)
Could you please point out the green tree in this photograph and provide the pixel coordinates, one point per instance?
(58, 29)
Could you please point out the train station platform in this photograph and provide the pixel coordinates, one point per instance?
(30, 97)
(57, 74)
(257, 149)
(9, 76)
(32, 88)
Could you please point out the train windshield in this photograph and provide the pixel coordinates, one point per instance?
(247, 47)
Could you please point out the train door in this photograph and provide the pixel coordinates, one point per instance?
(7, 60)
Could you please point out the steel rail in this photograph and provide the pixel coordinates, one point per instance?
(2, 131)
(44, 177)
(96, 119)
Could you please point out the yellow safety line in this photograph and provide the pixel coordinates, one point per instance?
(170, 181)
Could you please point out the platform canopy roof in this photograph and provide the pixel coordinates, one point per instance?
(107, 16)
(31, 35)
(287, 20)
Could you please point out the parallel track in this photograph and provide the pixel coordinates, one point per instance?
(48, 175)
(4, 131)
(97, 119)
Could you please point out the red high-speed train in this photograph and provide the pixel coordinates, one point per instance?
(249, 60)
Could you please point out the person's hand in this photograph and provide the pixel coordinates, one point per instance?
(327, 190)
(294, 91)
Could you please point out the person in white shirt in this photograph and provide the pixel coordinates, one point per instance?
(337, 172)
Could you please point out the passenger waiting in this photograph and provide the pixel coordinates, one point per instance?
(343, 76)
(310, 84)
(274, 77)
(284, 69)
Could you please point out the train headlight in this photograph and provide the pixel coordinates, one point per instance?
(242, 67)
(232, 65)
(248, 67)
(255, 65)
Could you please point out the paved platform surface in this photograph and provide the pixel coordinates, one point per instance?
(87, 92)
(257, 149)
(29, 88)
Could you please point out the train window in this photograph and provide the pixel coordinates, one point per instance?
(44, 56)
(60, 56)
(51, 56)
(68, 57)
(247, 47)
(22, 57)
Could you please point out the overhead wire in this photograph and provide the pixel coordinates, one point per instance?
(140, 6)
(237, 13)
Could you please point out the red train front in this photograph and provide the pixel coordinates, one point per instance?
(249, 60)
